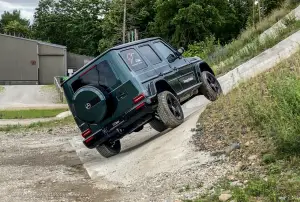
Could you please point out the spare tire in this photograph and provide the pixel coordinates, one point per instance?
(90, 104)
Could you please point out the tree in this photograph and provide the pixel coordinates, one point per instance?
(140, 13)
(183, 22)
(13, 23)
(75, 24)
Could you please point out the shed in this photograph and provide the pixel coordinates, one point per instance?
(26, 61)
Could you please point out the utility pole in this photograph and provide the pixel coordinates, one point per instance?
(124, 23)
(253, 17)
(259, 11)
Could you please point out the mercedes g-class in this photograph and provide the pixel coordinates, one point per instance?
(133, 84)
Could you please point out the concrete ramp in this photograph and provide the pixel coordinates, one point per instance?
(148, 152)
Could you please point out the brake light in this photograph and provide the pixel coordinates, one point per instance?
(84, 73)
(86, 133)
(89, 139)
(140, 106)
(138, 98)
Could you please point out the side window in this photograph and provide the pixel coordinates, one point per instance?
(149, 53)
(133, 60)
(163, 49)
(99, 75)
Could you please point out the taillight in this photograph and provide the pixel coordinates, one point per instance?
(140, 106)
(138, 98)
(89, 139)
(86, 133)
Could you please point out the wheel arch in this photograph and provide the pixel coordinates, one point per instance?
(203, 66)
(163, 85)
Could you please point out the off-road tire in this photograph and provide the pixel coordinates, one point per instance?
(158, 125)
(108, 150)
(210, 91)
(165, 113)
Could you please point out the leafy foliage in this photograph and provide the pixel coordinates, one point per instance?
(90, 27)
(75, 24)
(12, 23)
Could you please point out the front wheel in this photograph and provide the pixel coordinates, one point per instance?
(210, 87)
(109, 149)
(169, 110)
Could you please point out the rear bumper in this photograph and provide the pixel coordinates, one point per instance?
(127, 124)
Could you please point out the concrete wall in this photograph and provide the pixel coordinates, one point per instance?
(75, 61)
(53, 62)
(18, 60)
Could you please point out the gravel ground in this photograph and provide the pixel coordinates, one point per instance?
(43, 167)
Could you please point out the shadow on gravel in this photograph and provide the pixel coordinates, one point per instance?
(146, 141)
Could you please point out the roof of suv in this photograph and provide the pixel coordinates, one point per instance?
(133, 43)
(116, 48)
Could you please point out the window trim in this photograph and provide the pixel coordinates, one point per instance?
(155, 52)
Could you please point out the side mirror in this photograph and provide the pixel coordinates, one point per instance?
(171, 58)
(181, 50)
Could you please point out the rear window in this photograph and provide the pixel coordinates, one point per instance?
(133, 60)
(100, 75)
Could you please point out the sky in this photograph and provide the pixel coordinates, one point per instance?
(27, 7)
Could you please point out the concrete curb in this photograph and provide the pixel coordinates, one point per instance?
(261, 63)
(271, 32)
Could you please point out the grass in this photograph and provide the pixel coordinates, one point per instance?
(39, 125)
(48, 87)
(273, 188)
(1, 89)
(257, 47)
(225, 58)
(30, 114)
(265, 110)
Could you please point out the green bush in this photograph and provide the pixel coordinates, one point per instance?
(216, 55)
(203, 49)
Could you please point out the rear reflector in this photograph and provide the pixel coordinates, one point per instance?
(84, 73)
(138, 98)
(140, 106)
(86, 133)
(89, 139)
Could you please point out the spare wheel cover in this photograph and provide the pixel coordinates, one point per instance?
(90, 104)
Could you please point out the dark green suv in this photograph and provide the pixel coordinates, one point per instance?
(133, 84)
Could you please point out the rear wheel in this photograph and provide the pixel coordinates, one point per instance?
(169, 110)
(158, 125)
(211, 87)
(109, 149)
